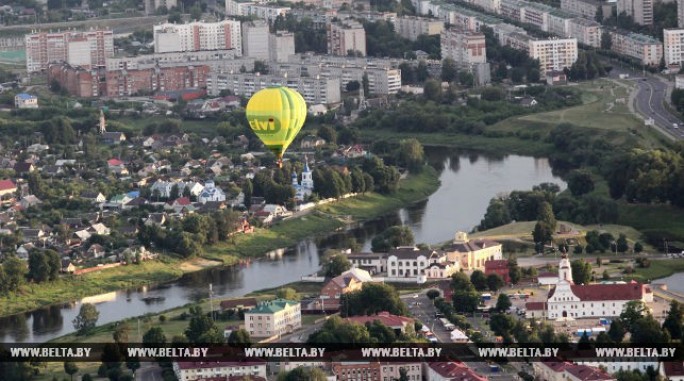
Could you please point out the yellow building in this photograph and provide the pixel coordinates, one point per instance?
(275, 317)
(472, 254)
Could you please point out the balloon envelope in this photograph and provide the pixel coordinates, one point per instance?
(276, 114)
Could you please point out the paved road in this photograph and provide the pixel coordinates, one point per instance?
(149, 371)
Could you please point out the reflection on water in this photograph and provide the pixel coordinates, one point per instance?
(468, 181)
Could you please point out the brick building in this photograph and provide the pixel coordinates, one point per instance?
(498, 267)
(131, 82)
(76, 81)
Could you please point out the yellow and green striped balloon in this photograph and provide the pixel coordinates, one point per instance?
(276, 114)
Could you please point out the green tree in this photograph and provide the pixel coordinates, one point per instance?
(617, 331)
(449, 70)
(514, 272)
(328, 133)
(647, 330)
(39, 269)
(247, 191)
(121, 332)
(465, 301)
(581, 271)
(15, 272)
(70, 368)
(546, 215)
(461, 282)
(580, 182)
(606, 41)
(287, 293)
(638, 247)
(674, 320)
(202, 328)
(366, 84)
(494, 282)
(496, 215)
(86, 319)
(432, 90)
(394, 236)
(336, 265)
(303, 373)
(432, 294)
(633, 311)
(371, 299)
(542, 233)
(621, 243)
(411, 154)
(479, 280)
(503, 303)
(133, 364)
(154, 336)
(501, 324)
(239, 337)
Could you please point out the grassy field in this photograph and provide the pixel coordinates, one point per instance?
(647, 217)
(658, 269)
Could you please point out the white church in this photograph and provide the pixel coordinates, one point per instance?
(570, 300)
(305, 188)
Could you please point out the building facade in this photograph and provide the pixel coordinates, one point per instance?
(151, 6)
(24, 100)
(346, 36)
(673, 46)
(554, 54)
(198, 36)
(587, 32)
(281, 46)
(412, 27)
(587, 8)
(314, 89)
(272, 318)
(255, 39)
(200, 370)
(569, 300)
(472, 254)
(451, 371)
(304, 188)
(464, 47)
(646, 49)
(88, 49)
(149, 81)
(640, 10)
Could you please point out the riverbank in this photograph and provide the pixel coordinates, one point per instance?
(284, 234)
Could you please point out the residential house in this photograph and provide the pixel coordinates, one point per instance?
(32, 235)
(349, 281)
(23, 100)
(312, 141)
(451, 371)
(24, 250)
(178, 204)
(7, 187)
(67, 266)
(202, 370)
(118, 201)
(211, 193)
(79, 237)
(157, 219)
(111, 138)
(498, 267)
(241, 141)
(528, 102)
(29, 201)
(99, 228)
(117, 167)
(52, 170)
(273, 318)
(400, 324)
(567, 371)
(535, 310)
(135, 203)
(441, 270)
(93, 196)
(95, 251)
(22, 168)
(238, 304)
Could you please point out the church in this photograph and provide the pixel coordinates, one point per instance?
(305, 188)
(570, 300)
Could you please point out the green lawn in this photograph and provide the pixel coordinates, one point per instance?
(658, 269)
(653, 217)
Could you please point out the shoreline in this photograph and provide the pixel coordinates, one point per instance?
(414, 188)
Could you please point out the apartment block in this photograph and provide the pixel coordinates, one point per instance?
(315, 90)
(346, 36)
(587, 8)
(260, 9)
(646, 49)
(255, 39)
(493, 6)
(272, 318)
(77, 81)
(218, 60)
(375, 371)
(466, 48)
(151, 6)
(214, 370)
(88, 49)
(640, 10)
(412, 27)
(281, 46)
(673, 46)
(559, 23)
(587, 32)
(536, 14)
(512, 9)
(198, 36)
(122, 83)
(554, 54)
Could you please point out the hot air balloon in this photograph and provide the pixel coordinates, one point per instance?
(276, 114)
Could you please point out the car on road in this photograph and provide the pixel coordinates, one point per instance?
(674, 125)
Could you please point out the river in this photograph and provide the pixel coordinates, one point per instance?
(468, 182)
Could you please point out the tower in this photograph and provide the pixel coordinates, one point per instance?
(295, 182)
(307, 177)
(102, 128)
(565, 270)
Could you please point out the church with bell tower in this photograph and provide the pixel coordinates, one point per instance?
(304, 188)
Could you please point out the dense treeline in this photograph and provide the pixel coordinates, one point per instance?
(500, 57)
(307, 38)
(471, 118)
(383, 41)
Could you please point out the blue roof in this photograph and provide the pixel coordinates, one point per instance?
(133, 194)
(24, 96)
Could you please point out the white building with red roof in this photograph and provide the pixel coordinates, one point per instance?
(672, 370)
(567, 371)
(452, 371)
(570, 300)
(398, 323)
(203, 370)
(7, 187)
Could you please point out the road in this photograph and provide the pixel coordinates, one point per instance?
(422, 309)
(649, 100)
(149, 371)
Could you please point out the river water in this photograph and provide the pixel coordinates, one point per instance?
(468, 181)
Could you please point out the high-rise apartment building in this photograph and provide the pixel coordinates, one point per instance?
(412, 27)
(197, 36)
(281, 46)
(673, 46)
(640, 10)
(554, 54)
(87, 49)
(587, 8)
(464, 47)
(345, 37)
(255, 39)
(648, 50)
